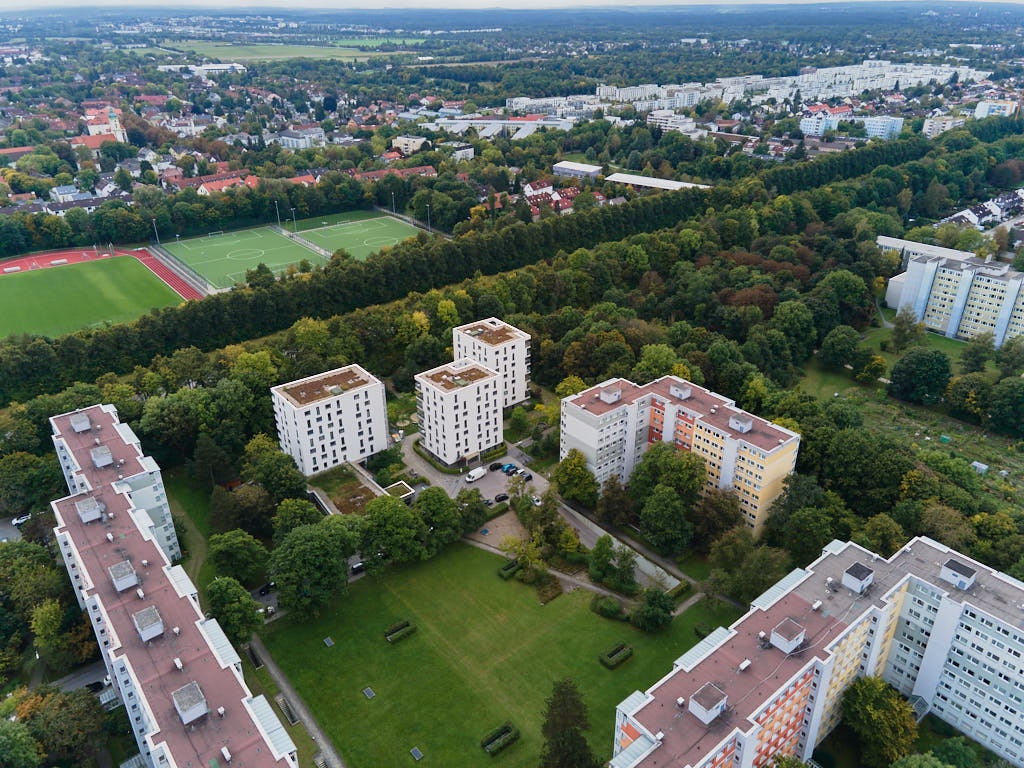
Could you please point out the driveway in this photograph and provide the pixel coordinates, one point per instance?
(9, 531)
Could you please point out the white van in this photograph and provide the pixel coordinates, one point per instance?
(475, 474)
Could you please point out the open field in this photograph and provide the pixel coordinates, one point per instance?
(223, 258)
(265, 51)
(360, 236)
(485, 651)
(62, 299)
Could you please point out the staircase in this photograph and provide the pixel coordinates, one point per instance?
(172, 279)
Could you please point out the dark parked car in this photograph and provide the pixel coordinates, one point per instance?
(527, 476)
(267, 588)
(95, 687)
(495, 466)
(500, 498)
(358, 567)
(488, 502)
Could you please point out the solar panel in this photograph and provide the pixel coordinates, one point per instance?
(328, 642)
(415, 752)
(368, 693)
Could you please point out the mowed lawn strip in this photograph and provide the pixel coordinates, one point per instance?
(485, 651)
(224, 258)
(58, 300)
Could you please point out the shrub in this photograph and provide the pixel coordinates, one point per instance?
(607, 606)
(548, 589)
(614, 656)
(702, 629)
(395, 627)
(496, 452)
(499, 738)
(509, 569)
(401, 634)
(679, 590)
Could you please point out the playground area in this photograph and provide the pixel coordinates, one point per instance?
(222, 258)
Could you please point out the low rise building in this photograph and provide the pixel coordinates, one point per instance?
(501, 347)
(570, 170)
(1000, 108)
(173, 668)
(650, 182)
(934, 126)
(409, 145)
(941, 628)
(331, 418)
(459, 410)
(614, 423)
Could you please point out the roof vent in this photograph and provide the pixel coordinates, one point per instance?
(816, 605)
(140, 593)
(176, 631)
(110, 538)
(224, 752)
(660, 735)
(744, 665)
(707, 703)
(741, 422)
(787, 635)
(177, 663)
(220, 711)
(680, 702)
(858, 577)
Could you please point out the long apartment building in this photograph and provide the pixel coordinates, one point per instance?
(174, 669)
(956, 293)
(459, 407)
(332, 418)
(501, 347)
(941, 628)
(614, 423)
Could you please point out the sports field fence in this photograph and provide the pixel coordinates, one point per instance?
(183, 270)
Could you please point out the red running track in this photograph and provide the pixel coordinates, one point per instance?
(45, 260)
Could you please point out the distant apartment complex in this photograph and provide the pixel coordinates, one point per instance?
(501, 347)
(175, 670)
(668, 120)
(614, 423)
(332, 418)
(955, 293)
(934, 126)
(995, 109)
(876, 126)
(459, 408)
(941, 628)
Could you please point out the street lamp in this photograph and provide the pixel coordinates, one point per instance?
(428, 218)
(155, 232)
(278, 212)
(295, 224)
(393, 203)
(177, 239)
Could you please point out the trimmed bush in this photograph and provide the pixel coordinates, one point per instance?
(497, 452)
(607, 606)
(614, 656)
(702, 630)
(499, 738)
(509, 569)
(398, 631)
(679, 590)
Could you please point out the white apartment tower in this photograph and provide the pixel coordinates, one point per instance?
(332, 418)
(459, 407)
(501, 347)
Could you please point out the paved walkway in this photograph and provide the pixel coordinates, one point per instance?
(881, 315)
(327, 750)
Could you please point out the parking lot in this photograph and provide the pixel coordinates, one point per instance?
(8, 531)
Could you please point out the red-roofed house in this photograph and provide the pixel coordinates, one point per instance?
(92, 142)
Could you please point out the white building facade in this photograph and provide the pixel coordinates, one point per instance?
(459, 408)
(332, 418)
(501, 347)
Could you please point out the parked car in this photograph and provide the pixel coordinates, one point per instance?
(95, 687)
(488, 502)
(475, 474)
(506, 468)
(267, 588)
(535, 500)
(495, 466)
(500, 498)
(512, 468)
(526, 476)
(358, 567)
(20, 521)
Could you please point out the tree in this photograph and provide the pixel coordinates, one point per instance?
(663, 464)
(123, 179)
(947, 525)
(440, 515)
(741, 570)
(656, 360)
(1006, 406)
(27, 482)
(663, 520)
(17, 746)
(1010, 357)
(274, 471)
(920, 376)
(957, 753)
(718, 511)
(838, 346)
(311, 565)
(471, 508)
(615, 506)
(882, 720)
(927, 760)
(210, 463)
(391, 531)
(796, 322)
(238, 555)
(565, 723)
(978, 351)
(249, 507)
(881, 534)
(788, 761)
(575, 481)
(808, 530)
(654, 611)
(69, 725)
(291, 513)
(600, 560)
(907, 330)
(234, 609)
(517, 421)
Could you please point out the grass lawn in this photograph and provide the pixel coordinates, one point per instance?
(695, 565)
(223, 258)
(264, 51)
(190, 504)
(824, 382)
(59, 300)
(259, 681)
(485, 651)
(402, 411)
(360, 236)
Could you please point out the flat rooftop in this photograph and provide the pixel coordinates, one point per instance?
(452, 376)
(93, 434)
(325, 385)
(492, 331)
(712, 409)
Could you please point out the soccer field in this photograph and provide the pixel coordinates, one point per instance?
(223, 258)
(358, 232)
(60, 300)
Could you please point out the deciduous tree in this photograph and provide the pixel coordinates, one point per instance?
(234, 608)
(575, 481)
(311, 565)
(239, 555)
(882, 720)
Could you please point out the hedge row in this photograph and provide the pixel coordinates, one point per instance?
(615, 655)
(499, 738)
(679, 590)
(399, 631)
(509, 569)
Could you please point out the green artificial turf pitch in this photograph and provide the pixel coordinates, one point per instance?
(58, 300)
(224, 258)
(358, 232)
(484, 651)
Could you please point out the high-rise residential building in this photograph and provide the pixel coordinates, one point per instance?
(501, 347)
(614, 423)
(173, 668)
(934, 126)
(941, 628)
(95, 440)
(459, 407)
(331, 418)
(956, 293)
